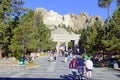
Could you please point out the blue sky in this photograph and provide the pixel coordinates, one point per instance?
(71, 6)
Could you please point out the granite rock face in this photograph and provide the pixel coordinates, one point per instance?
(52, 19)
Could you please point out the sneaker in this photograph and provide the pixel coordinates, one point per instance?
(83, 78)
(79, 78)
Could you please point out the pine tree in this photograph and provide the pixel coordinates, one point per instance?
(44, 34)
(24, 37)
(115, 31)
(105, 4)
(4, 18)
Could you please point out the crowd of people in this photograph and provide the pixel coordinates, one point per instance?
(53, 56)
(79, 64)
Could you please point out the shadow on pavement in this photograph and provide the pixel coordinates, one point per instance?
(31, 79)
(70, 77)
(118, 75)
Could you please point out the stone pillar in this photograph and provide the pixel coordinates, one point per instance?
(57, 46)
(66, 45)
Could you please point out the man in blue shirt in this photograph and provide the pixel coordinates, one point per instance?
(81, 66)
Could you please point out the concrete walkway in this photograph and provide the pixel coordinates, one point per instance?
(53, 70)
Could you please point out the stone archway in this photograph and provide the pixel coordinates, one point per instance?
(61, 35)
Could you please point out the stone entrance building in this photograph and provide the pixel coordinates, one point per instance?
(61, 35)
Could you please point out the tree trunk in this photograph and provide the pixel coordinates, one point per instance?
(108, 13)
(0, 53)
(103, 56)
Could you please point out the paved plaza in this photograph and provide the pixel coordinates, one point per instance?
(54, 70)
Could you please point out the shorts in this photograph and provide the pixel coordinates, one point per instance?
(88, 69)
(75, 70)
(80, 70)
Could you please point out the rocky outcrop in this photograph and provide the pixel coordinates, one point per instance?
(53, 19)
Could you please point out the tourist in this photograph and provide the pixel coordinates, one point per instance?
(81, 66)
(55, 55)
(115, 65)
(89, 67)
(73, 65)
(51, 56)
(66, 57)
(85, 57)
(70, 56)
